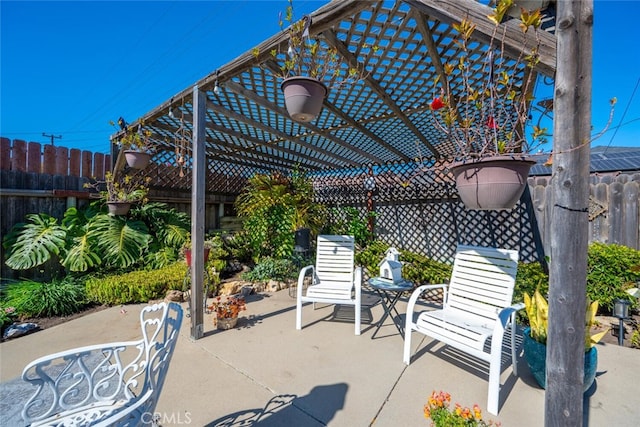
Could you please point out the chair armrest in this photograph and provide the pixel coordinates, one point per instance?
(302, 275)
(505, 313)
(419, 291)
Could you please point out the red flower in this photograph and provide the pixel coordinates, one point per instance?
(436, 104)
(491, 123)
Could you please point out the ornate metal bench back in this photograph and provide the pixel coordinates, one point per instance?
(101, 381)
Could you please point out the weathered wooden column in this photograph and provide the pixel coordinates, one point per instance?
(197, 213)
(570, 221)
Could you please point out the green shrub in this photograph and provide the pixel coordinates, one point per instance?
(36, 299)
(370, 257)
(417, 268)
(530, 277)
(611, 270)
(136, 286)
(272, 269)
(422, 270)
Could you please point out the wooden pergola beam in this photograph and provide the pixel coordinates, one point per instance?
(333, 40)
(450, 11)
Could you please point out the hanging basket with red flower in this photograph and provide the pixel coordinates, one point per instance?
(481, 106)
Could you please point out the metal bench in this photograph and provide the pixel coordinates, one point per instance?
(476, 306)
(116, 384)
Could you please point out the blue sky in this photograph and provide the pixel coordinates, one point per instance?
(68, 68)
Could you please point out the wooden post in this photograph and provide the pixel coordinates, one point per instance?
(197, 213)
(569, 225)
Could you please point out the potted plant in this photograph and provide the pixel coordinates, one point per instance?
(535, 339)
(120, 194)
(438, 411)
(136, 145)
(186, 248)
(482, 107)
(226, 311)
(306, 65)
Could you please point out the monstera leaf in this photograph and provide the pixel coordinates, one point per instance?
(34, 243)
(120, 241)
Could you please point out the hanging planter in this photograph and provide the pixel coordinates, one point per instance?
(137, 159)
(118, 208)
(303, 97)
(492, 183)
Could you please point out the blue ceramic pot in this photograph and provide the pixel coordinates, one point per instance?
(536, 355)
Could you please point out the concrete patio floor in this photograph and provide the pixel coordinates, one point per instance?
(266, 373)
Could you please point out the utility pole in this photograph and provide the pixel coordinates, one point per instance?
(52, 136)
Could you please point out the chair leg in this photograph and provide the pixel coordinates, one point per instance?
(406, 357)
(493, 399)
(358, 313)
(298, 314)
(514, 360)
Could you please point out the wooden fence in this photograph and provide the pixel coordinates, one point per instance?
(614, 208)
(427, 218)
(33, 157)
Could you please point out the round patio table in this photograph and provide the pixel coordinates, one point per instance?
(390, 293)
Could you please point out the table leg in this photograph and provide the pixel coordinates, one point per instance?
(389, 302)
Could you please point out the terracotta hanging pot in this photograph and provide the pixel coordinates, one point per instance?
(137, 159)
(492, 183)
(303, 97)
(118, 208)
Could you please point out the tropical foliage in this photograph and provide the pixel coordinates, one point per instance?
(272, 207)
(348, 220)
(537, 310)
(149, 236)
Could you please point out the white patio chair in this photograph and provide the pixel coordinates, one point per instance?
(476, 306)
(334, 280)
(115, 384)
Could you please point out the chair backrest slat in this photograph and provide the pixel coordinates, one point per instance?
(335, 258)
(482, 280)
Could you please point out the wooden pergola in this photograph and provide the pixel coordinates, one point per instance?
(232, 123)
(236, 126)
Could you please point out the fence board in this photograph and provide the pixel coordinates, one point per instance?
(62, 161)
(74, 162)
(5, 153)
(34, 162)
(49, 165)
(615, 211)
(98, 164)
(86, 164)
(19, 156)
(630, 220)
